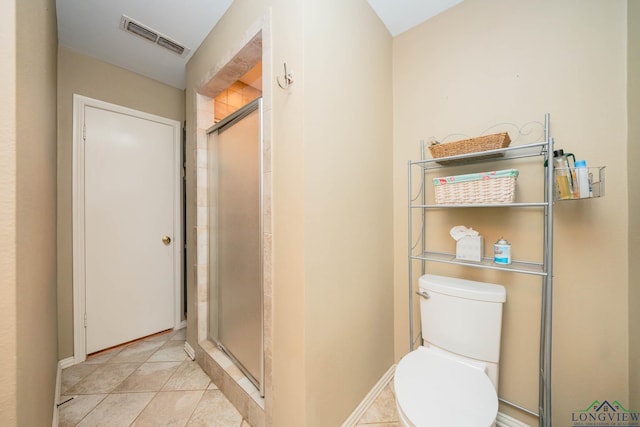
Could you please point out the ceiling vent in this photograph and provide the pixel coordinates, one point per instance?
(129, 25)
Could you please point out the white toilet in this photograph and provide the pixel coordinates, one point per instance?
(452, 380)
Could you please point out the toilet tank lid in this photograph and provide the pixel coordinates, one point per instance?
(462, 288)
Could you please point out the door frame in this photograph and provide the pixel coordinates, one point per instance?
(78, 213)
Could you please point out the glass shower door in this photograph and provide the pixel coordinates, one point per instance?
(235, 254)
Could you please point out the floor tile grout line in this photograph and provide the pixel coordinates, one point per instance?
(112, 391)
(92, 409)
(195, 407)
(145, 407)
(378, 423)
(124, 379)
(69, 387)
(362, 422)
(155, 393)
(170, 376)
(147, 361)
(163, 384)
(110, 361)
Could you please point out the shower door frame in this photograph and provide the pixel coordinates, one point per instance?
(227, 122)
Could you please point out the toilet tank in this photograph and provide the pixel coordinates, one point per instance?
(462, 316)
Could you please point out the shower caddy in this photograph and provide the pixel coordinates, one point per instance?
(543, 269)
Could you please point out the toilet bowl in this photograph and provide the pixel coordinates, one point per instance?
(435, 389)
(451, 381)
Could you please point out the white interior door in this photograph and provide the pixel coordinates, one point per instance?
(130, 190)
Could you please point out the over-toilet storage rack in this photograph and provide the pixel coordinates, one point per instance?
(544, 269)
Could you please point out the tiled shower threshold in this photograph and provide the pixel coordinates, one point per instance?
(235, 385)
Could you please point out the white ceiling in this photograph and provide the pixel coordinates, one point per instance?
(401, 15)
(92, 27)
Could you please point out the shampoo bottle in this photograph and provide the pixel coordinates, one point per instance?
(583, 178)
(563, 174)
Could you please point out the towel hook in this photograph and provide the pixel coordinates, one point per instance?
(288, 78)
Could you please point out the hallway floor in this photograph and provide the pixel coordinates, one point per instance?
(150, 383)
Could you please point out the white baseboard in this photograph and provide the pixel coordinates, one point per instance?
(503, 420)
(183, 325)
(190, 351)
(64, 363)
(369, 398)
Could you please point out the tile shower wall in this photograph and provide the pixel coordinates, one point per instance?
(238, 95)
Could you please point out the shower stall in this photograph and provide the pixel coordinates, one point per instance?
(235, 239)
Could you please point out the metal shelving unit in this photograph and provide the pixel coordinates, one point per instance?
(418, 206)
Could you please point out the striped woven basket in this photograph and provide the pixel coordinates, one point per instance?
(471, 145)
(477, 188)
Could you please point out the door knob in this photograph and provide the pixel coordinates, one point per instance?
(166, 240)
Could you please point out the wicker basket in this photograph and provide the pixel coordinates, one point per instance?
(472, 145)
(477, 188)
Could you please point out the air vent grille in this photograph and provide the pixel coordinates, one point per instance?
(171, 45)
(141, 31)
(129, 25)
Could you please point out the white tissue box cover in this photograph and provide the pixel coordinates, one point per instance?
(470, 248)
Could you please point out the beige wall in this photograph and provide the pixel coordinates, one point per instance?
(83, 75)
(8, 147)
(331, 151)
(633, 157)
(347, 206)
(27, 211)
(487, 62)
(34, 244)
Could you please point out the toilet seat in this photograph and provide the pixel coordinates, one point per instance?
(434, 390)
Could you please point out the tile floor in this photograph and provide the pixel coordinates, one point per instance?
(150, 382)
(382, 412)
(153, 383)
